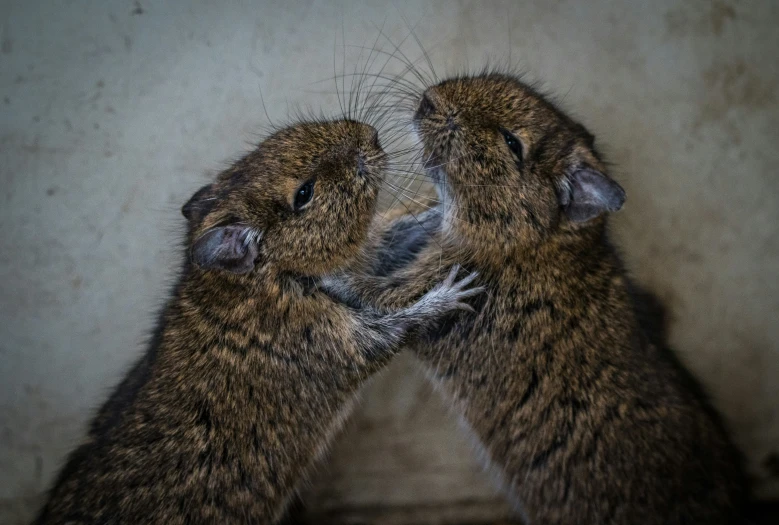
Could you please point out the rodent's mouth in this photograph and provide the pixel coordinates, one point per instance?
(361, 165)
(436, 175)
(435, 169)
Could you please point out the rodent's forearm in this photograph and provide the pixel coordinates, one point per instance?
(391, 280)
(379, 332)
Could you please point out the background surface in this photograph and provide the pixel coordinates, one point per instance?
(114, 112)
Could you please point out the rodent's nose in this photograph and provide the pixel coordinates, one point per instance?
(369, 135)
(425, 109)
(369, 152)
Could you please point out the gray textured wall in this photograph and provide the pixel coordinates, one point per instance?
(113, 112)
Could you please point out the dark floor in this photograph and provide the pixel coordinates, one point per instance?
(765, 513)
(762, 513)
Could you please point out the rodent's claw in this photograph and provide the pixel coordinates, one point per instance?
(464, 294)
(459, 290)
(449, 281)
(450, 294)
(467, 280)
(464, 306)
(470, 292)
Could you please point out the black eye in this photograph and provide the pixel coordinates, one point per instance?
(514, 144)
(303, 195)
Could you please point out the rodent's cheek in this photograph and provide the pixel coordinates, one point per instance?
(365, 190)
(373, 193)
(368, 183)
(427, 138)
(269, 249)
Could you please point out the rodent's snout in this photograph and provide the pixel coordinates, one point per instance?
(371, 163)
(432, 104)
(425, 108)
(375, 142)
(370, 154)
(368, 136)
(361, 164)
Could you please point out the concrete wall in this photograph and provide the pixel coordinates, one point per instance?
(114, 112)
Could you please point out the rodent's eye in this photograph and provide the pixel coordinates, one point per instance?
(304, 195)
(513, 143)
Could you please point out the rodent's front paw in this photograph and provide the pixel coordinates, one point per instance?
(450, 294)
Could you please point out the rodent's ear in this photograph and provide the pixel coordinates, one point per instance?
(587, 193)
(196, 208)
(233, 248)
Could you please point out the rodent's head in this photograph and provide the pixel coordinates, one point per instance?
(302, 201)
(515, 167)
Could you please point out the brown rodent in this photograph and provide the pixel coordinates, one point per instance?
(586, 420)
(252, 367)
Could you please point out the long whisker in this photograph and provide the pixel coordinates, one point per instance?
(430, 234)
(431, 207)
(421, 47)
(335, 74)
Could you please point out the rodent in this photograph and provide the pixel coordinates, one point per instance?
(252, 367)
(585, 418)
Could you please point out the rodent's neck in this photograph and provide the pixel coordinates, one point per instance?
(228, 288)
(560, 252)
(218, 297)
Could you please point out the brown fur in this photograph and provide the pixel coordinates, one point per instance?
(585, 418)
(252, 368)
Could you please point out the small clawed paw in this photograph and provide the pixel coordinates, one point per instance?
(456, 291)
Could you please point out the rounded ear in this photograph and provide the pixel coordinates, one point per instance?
(199, 204)
(233, 248)
(587, 193)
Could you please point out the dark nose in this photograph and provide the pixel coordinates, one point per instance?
(360, 164)
(368, 134)
(451, 124)
(425, 109)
